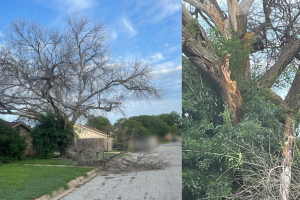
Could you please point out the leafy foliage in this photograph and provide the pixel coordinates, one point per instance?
(173, 121)
(233, 46)
(153, 124)
(99, 122)
(51, 135)
(171, 118)
(132, 127)
(12, 144)
(213, 149)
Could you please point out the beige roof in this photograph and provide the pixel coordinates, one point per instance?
(92, 129)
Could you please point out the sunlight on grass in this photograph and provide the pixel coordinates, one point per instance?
(29, 182)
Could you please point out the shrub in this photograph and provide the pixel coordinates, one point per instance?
(51, 135)
(12, 144)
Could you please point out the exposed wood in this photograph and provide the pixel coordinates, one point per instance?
(234, 10)
(288, 158)
(217, 71)
(247, 38)
(288, 147)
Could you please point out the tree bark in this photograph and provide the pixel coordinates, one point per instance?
(215, 68)
(292, 99)
(287, 55)
(287, 158)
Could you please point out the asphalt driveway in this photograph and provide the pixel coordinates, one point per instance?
(163, 184)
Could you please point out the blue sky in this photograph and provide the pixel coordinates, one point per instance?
(144, 29)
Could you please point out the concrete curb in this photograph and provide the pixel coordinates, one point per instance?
(72, 186)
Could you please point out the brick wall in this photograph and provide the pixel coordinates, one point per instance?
(29, 150)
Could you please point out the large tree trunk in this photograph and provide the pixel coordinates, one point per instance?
(292, 101)
(287, 158)
(215, 68)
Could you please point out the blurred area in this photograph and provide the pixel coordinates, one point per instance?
(149, 144)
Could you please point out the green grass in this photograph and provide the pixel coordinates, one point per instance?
(49, 161)
(111, 154)
(164, 141)
(26, 182)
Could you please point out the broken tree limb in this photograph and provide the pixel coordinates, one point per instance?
(216, 70)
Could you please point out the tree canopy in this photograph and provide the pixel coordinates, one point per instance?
(132, 127)
(69, 71)
(171, 118)
(153, 124)
(99, 122)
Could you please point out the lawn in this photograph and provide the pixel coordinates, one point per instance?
(19, 181)
(50, 161)
(107, 154)
(29, 182)
(58, 161)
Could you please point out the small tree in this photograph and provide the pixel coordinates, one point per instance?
(132, 127)
(12, 145)
(99, 122)
(172, 119)
(52, 135)
(153, 124)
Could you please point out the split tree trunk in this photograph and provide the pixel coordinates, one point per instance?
(209, 64)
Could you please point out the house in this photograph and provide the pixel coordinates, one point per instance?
(88, 132)
(24, 131)
(92, 138)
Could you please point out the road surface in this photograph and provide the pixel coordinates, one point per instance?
(163, 184)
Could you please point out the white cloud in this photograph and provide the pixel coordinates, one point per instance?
(167, 74)
(167, 10)
(129, 27)
(1, 34)
(114, 34)
(166, 65)
(157, 57)
(166, 45)
(166, 71)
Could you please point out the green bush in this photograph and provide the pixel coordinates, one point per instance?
(12, 144)
(209, 137)
(51, 135)
(152, 123)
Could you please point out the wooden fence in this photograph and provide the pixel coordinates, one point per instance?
(94, 143)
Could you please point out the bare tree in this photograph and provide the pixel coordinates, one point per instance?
(66, 71)
(274, 26)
